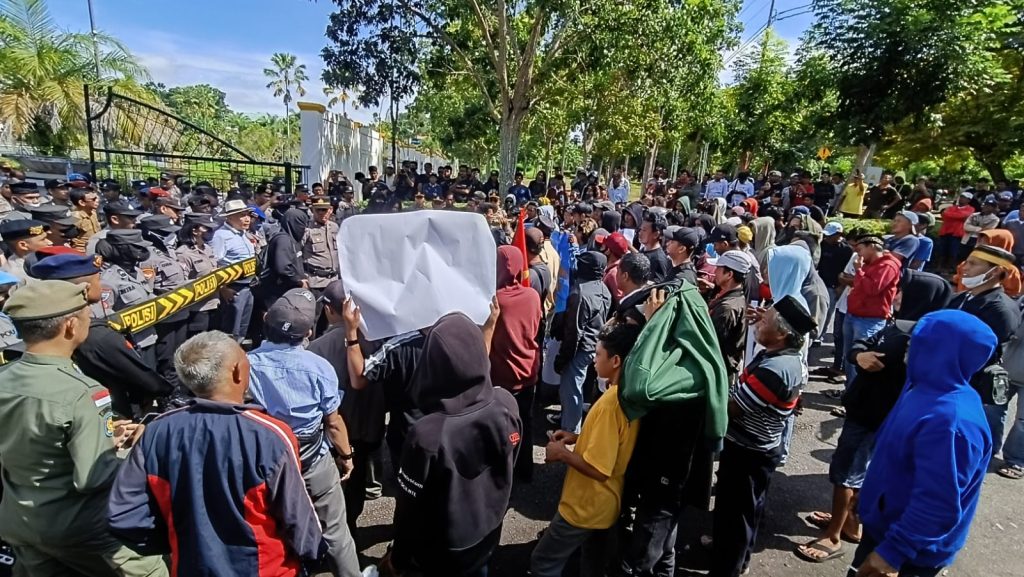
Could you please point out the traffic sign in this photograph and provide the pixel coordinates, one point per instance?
(824, 153)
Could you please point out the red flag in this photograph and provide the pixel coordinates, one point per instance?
(519, 241)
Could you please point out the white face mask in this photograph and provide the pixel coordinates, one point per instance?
(976, 281)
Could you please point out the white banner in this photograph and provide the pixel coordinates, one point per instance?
(407, 270)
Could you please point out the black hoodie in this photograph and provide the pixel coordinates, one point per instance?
(455, 478)
(284, 255)
(587, 308)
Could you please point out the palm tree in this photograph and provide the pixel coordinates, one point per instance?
(334, 97)
(285, 75)
(43, 68)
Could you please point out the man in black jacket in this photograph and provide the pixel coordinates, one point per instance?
(585, 313)
(285, 269)
(455, 476)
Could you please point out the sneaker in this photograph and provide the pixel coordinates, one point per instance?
(554, 418)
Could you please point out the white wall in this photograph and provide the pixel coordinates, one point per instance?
(332, 142)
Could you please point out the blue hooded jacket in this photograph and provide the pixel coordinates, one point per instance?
(933, 450)
(787, 268)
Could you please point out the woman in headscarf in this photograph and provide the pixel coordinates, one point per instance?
(750, 205)
(764, 236)
(718, 210)
(999, 238)
(285, 269)
(815, 293)
(455, 478)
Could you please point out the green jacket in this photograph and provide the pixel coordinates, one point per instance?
(677, 358)
(57, 452)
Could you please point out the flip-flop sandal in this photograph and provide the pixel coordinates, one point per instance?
(818, 546)
(849, 538)
(1015, 472)
(838, 412)
(819, 519)
(834, 393)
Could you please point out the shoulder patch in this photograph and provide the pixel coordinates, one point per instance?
(107, 421)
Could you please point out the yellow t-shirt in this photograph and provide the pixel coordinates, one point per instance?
(853, 199)
(606, 443)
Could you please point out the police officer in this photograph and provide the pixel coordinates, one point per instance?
(24, 196)
(57, 189)
(11, 346)
(23, 237)
(196, 256)
(168, 275)
(124, 283)
(320, 248)
(164, 204)
(58, 439)
(119, 215)
(63, 227)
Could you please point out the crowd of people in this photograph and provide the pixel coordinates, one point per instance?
(244, 434)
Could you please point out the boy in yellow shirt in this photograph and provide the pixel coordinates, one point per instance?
(592, 492)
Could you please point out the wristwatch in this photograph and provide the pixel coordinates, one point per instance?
(351, 342)
(343, 456)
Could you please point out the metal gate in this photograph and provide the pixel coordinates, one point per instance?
(133, 140)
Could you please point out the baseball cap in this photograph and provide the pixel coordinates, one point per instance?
(911, 216)
(775, 173)
(925, 218)
(967, 195)
(745, 234)
(833, 228)
(55, 183)
(990, 200)
(334, 293)
(723, 233)
(121, 208)
(1006, 195)
(734, 260)
(684, 235)
(802, 210)
(293, 315)
(616, 244)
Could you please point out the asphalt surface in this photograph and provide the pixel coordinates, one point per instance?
(801, 486)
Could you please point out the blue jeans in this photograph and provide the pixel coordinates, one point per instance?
(853, 451)
(570, 390)
(856, 328)
(1013, 449)
(838, 343)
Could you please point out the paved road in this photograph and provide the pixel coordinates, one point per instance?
(993, 550)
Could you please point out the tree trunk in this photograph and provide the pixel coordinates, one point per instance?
(625, 171)
(995, 169)
(744, 165)
(509, 135)
(864, 156)
(548, 143)
(652, 159)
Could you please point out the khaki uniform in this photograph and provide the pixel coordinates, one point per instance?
(320, 254)
(59, 462)
(88, 225)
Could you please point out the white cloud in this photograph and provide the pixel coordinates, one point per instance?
(238, 73)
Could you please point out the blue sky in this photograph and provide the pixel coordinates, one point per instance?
(227, 43)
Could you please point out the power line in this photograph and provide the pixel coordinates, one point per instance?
(746, 44)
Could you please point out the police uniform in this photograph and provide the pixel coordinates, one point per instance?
(105, 356)
(59, 461)
(17, 229)
(19, 212)
(198, 262)
(120, 288)
(121, 209)
(11, 346)
(168, 275)
(320, 250)
(63, 227)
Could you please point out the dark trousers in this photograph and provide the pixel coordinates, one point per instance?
(199, 322)
(524, 460)
(355, 487)
(236, 314)
(868, 545)
(743, 479)
(649, 550)
(169, 336)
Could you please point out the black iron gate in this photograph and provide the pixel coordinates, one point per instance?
(133, 140)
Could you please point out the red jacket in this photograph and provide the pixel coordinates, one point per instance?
(874, 288)
(953, 219)
(515, 354)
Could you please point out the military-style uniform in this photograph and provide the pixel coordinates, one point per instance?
(320, 254)
(168, 275)
(59, 461)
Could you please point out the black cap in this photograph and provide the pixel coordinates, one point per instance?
(795, 314)
(53, 213)
(546, 223)
(55, 183)
(723, 233)
(126, 236)
(110, 184)
(160, 223)
(334, 294)
(685, 236)
(121, 208)
(24, 187)
(22, 228)
(199, 218)
(137, 184)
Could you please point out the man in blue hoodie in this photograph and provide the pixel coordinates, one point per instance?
(931, 455)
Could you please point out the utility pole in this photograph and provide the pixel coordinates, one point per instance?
(768, 30)
(95, 43)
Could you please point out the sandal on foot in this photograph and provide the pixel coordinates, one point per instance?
(838, 412)
(1014, 472)
(819, 546)
(819, 519)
